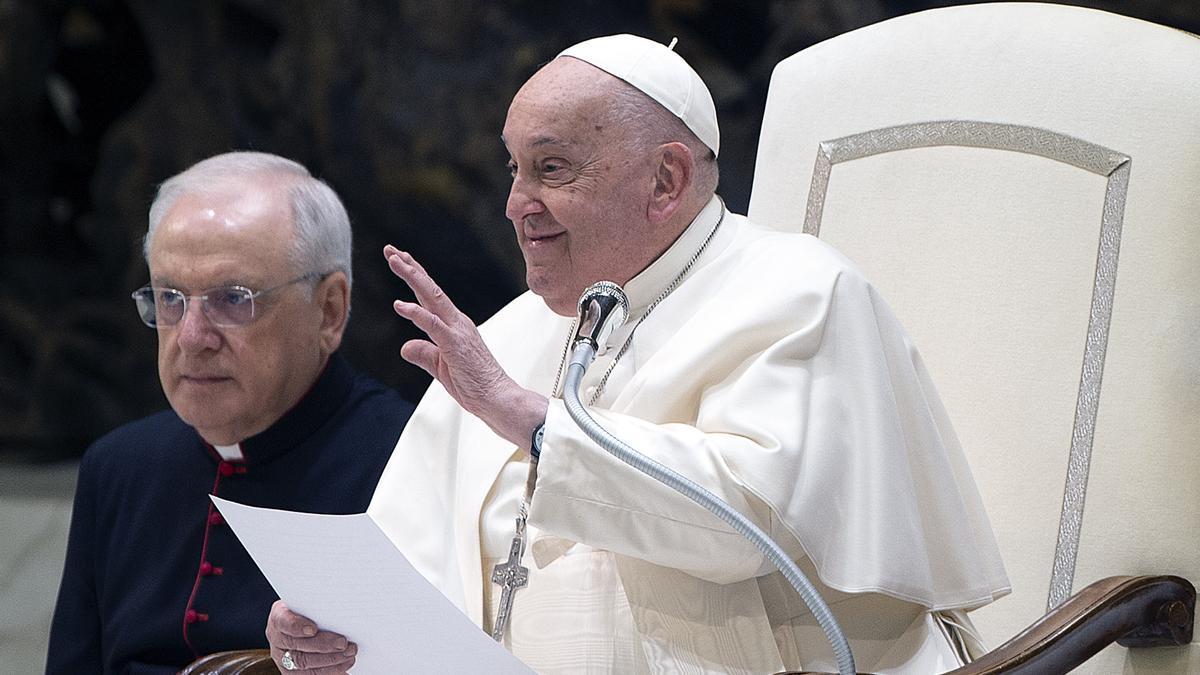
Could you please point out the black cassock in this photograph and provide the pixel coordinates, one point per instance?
(153, 576)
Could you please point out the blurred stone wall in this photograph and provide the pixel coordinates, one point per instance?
(398, 104)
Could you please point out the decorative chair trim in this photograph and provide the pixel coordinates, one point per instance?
(1051, 145)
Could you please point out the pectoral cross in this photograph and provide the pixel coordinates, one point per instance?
(511, 576)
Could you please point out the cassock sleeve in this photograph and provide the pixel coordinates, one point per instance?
(75, 632)
(811, 415)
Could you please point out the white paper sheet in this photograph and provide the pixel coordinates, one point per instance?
(345, 574)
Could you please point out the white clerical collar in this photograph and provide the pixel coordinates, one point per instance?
(230, 453)
(650, 282)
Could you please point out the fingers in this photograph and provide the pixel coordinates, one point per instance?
(283, 621)
(313, 651)
(324, 642)
(437, 330)
(422, 318)
(309, 663)
(429, 294)
(289, 630)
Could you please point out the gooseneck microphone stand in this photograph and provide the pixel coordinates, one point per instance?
(602, 310)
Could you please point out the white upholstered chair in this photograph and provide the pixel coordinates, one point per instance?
(1022, 182)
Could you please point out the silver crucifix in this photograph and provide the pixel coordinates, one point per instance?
(511, 576)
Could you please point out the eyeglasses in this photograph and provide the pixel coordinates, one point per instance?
(225, 306)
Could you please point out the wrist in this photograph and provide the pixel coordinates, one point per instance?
(519, 416)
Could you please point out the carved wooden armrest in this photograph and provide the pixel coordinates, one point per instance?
(1146, 611)
(240, 662)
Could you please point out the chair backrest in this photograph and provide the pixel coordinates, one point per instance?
(1022, 182)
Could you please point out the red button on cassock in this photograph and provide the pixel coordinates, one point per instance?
(192, 616)
(225, 468)
(206, 568)
(215, 518)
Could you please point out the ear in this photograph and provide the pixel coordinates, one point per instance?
(332, 297)
(673, 176)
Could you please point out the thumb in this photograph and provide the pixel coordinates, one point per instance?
(423, 354)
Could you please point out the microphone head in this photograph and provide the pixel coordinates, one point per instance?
(603, 307)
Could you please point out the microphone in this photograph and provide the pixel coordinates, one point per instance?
(603, 307)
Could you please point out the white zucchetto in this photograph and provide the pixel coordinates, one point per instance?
(657, 71)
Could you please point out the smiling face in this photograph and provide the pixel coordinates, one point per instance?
(581, 186)
(231, 383)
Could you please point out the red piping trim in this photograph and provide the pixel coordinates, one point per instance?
(203, 556)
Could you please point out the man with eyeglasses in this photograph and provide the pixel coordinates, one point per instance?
(249, 291)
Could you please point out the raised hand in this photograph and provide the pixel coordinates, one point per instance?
(457, 357)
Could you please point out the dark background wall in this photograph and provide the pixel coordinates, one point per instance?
(398, 104)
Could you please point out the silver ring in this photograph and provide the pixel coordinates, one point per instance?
(287, 662)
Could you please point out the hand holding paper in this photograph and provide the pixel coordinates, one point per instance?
(345, 574)
(298, 639)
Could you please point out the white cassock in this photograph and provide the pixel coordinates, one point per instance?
(774, 376)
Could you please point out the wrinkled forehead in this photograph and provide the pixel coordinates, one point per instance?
(234, 204)
(565, 98)
(249, 222)
(568, 74)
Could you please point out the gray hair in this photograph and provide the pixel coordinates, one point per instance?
(651, 124)
(321, 241)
